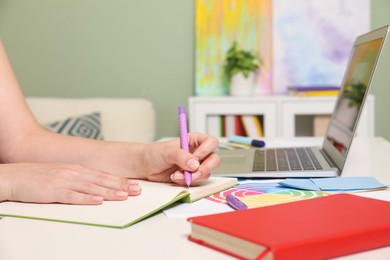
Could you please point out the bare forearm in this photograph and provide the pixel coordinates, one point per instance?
(39, 166)
(40, 146)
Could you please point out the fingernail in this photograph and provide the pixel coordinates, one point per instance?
(97, 198)
(178, 176)
(134, 188)
(121, 193)
(132, 182)
(193, 164)
(195, 175)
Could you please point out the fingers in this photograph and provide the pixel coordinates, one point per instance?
(63, 183)
(178, 177)
(208, 165)
(202, 173)
(73, 184)
(77, 198)
(100, 191)
(98, 185)
(104, 179)
(109, 186)
(89, 193)
(90, 196)
(202, 145)
(200, 163)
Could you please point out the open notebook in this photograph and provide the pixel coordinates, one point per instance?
(118, 214)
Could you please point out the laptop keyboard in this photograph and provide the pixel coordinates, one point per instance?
(285, 159)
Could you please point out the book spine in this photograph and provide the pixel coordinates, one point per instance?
(314, 93)
(214, 125)
(320, 125)
(252, 126)
(260, 127)
(229, 125)
(239, 128)
(316, 88)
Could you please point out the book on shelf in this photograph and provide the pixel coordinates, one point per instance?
(239, 128)
(313, 91)
(233, 125)
(118, 214)
(241, 125)
(318, 228)
(215, 125)
(252, 125)
(229, 125)
(320, 125)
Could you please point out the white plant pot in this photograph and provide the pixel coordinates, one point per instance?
(241, 86)
(346, 114)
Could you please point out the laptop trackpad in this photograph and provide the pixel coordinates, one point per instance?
(235, 161)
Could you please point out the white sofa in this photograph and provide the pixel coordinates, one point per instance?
(122, 119)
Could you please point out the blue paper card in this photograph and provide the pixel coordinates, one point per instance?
(334, 184)
(303, 184)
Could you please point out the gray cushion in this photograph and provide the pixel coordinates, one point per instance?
(86, 126)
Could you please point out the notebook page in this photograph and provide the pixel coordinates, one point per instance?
(153, 197)
(210, 186)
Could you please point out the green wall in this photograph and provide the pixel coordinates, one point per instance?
(104, 48)
(380, 15)
(124, 48)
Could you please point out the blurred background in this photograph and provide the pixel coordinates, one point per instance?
(127, 48)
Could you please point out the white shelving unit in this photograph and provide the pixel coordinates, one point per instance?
(281, 114)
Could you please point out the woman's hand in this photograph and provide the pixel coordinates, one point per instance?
(165, 161)
(62, 183)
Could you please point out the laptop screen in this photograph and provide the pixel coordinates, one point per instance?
(353, 91)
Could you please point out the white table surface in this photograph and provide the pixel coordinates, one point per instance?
(158, 237)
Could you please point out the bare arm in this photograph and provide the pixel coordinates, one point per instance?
(23, 140)
(32, 166)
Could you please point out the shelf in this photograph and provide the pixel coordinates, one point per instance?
(281, 116)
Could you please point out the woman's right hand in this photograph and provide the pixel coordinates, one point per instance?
(62, 183)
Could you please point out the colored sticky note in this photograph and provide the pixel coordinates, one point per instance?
(334, 184)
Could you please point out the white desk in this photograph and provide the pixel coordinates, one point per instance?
(156, 237)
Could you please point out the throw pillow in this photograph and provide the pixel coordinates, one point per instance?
(86, 126)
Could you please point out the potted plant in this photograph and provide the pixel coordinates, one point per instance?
(240, 69)
(354, 92)
(350, 103)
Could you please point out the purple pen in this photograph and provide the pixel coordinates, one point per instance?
(235, 203)
(184, 139)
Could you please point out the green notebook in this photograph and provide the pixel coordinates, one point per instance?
(118, 214)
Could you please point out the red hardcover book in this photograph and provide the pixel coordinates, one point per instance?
(239, 128)
(318, 228)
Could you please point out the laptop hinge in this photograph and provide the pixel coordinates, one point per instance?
(328, 159)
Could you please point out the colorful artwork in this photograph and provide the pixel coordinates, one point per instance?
(312, 40)
(218, 24)
(262, 193)
(302, 42)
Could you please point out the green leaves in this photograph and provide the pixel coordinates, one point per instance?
(240, 61)
(355, 91)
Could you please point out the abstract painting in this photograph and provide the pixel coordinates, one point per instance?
(312, 40)
(302, 42)
(219, 23)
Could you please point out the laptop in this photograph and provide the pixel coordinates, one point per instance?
(329, 159)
